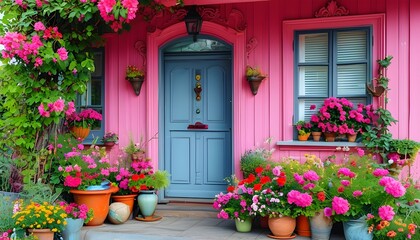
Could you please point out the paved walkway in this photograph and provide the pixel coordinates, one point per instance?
(179, 222)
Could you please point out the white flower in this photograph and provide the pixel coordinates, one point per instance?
(390, 161)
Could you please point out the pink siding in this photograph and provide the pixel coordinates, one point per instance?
(268, 114)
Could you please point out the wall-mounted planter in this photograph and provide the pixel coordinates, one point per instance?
(254, 83)
(375, 91)
(136, 83)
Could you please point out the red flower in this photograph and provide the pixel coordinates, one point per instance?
(265, 179)
(340, 189)
(143, 187)
(135, 177)
(259, 170)
(250, 178)
(257, 187)
(281, 181)
(230, 188)
(321, 196)
(142, 176)
(134, 189)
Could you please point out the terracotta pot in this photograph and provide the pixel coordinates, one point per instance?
(329, 137)
(127, 199)
(42, 234)
(303, 227)
(97, 200)
(80, 132)
(351, 138)
(316, 136)
(282, 226)
(304, 137)
(320, 226)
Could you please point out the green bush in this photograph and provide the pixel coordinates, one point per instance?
(252, 159)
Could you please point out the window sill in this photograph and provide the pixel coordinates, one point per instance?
(318, 146)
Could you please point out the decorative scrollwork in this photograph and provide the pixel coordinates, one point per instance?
(332, 9)
(250, 46)
(140, 46)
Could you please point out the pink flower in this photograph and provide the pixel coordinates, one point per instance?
(369, 216)
(312, 107)
(298, 178)
(80, 146)
(39, 26)
(58, 106)
(361, 152)
(72, 182)
(299, 199)
(340, 205)
(379, 172)
(311, 175)
(276, 171)
(62, 54)
(357, 193)
(395, 188)
(328, 212)
(77, 168)
(386, 213)
(345, 182)
(346, 172)
(42, 111)
(105, 172)
(69, 168)
(38, 62)
(222, 214)
(309, 186)
(385, 180)
(60, 169)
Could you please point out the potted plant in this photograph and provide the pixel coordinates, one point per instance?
(146, 183)
(84, 173)
(76, 216)
(304, 130)
(406, 149)
(236, 204)
(254, 76)
(81, 123)
(110, 138)
(136, 77)
(40, 219)
(134, 150)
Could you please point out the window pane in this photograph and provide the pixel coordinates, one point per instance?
(351, 46)
(313, 81)
(98, 61)
(313, 48)
(305, 108)
(351, 79)
(96, 90)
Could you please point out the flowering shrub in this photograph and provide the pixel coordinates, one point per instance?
(82, 167)
(86, 118)
(133, 72)
(40, 216)
(76, 211)
(149, 181)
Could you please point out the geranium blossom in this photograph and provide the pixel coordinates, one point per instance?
(299, 199)
(340, 205)
(357, 193)
(386, 213)
(379, 172)
(311, 175)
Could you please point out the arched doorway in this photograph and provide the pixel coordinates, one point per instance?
(196, 114)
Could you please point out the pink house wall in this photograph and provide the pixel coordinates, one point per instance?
(265, 115)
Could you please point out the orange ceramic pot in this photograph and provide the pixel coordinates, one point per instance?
(80, 132)
(282, 226)
(127, 199)
(42, 234)
(97, 200)
(304, 137)
(302, 226)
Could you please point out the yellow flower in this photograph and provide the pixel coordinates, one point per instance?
(54, 230)
(58, 221)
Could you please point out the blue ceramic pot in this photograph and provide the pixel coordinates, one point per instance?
(73, 228)
(357, 229)
(104, 186)
(147, 201)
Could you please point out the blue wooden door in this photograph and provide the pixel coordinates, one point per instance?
(198, 158)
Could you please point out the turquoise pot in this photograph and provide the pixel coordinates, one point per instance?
(147, 201)
(357, 229)
(243, 225)
(73, 229)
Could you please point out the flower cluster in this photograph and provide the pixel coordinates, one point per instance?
(303, 127)
(56, 108)
(110, 137)
(236, 203)
(116, 13)
(337, 115)
(133, 72)
(82, 167)
(149, 181)
(86, 118)
(75, 211)
(40, 216)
